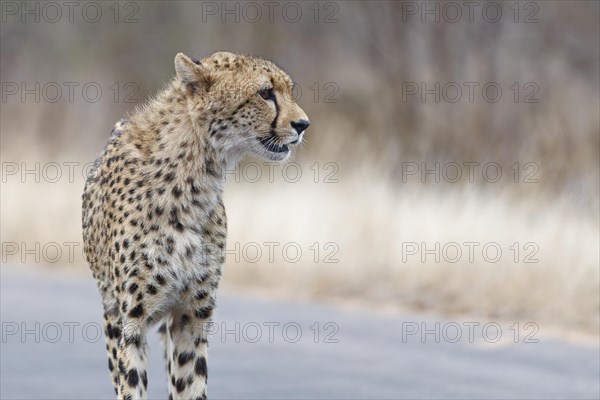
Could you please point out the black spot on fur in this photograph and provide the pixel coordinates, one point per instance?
(135, 340)
(200, 366)
(180, 385)
(116, 332)
(176, 192)
(133, 287)
(151, 289)
(160, 279)
(204, 312)
(133, 378)
(121, 367)
(169, 177)
(145, 379)
(174, 219)
(185, 320)
(136, 311)
(184, 358)
(201, 295)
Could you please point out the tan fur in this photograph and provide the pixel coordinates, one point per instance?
(154, 224)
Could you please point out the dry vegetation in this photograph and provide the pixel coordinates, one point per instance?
(371, 134)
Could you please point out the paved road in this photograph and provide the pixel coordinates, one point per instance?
(357, 356)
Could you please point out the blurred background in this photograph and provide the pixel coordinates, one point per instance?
(451, 166)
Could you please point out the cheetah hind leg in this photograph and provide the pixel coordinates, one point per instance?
(186, 333)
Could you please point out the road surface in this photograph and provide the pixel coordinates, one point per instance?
(263, 349)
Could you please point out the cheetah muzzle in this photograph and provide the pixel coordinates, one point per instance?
(154, 223)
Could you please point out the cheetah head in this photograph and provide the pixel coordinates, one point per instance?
(245, 102)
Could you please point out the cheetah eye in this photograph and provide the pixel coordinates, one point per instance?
(266, 94)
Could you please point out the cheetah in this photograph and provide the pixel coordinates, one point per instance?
(154, 224)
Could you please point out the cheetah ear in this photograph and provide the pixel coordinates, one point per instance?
(192, 74)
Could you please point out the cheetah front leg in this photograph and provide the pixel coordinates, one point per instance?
(132, 360)
(112, 333)
(112, 329)
(188, 344)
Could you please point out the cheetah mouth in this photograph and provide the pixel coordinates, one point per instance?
(268, 143)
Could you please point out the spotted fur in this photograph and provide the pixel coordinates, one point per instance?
(154, 224)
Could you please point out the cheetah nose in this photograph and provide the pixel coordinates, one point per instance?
(300, 126)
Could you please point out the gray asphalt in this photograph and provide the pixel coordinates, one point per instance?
(356, 356)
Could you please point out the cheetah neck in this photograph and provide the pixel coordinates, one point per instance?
(168, 138)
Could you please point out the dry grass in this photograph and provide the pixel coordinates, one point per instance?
(370, 133)
(368, 220)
